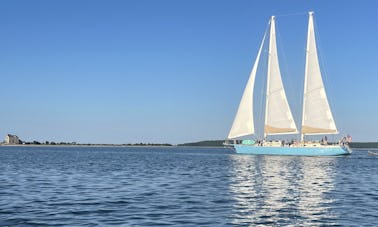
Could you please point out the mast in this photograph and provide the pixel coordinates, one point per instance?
(306, 72)
(272, 33)
(316, 116)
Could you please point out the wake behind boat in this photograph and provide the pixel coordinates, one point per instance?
(316, 114)
(372, 153)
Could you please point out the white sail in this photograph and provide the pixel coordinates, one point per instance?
(243, 123)
(317, 116)
(278, 117)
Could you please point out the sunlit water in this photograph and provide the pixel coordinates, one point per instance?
(76, 186)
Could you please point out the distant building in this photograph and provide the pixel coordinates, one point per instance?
(12, 139)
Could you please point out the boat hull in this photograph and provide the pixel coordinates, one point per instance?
(293, 151)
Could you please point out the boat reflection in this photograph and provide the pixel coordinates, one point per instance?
(280, 190)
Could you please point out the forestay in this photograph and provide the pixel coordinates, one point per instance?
(243, 122)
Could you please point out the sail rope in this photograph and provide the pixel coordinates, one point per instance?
(292, 14)
(323, 68)
(288, 77)
(261, 97)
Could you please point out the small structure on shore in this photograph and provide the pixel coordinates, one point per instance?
(12, 139)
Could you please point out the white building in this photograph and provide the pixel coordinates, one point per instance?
(11, 139)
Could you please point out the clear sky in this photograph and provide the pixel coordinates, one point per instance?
(171, 70)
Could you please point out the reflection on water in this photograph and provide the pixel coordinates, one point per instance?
(275, 190)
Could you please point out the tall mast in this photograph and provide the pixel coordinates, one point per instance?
(310, 14)
(271, 33)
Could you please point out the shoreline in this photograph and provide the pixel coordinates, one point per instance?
(144, 145)
(81, 145)
(105, 145)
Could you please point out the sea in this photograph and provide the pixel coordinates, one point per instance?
(183, 186)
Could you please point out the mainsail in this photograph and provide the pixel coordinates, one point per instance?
(243, 122)
(317, 116)
(278, 117)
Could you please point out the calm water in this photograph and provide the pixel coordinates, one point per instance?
(183, 187)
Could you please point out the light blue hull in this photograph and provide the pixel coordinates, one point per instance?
(299, 151)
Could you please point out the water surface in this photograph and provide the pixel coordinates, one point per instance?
(183, 187)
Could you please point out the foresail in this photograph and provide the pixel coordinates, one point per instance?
(317, 115)
(243, 123)
(278, 117)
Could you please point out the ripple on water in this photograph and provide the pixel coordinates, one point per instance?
(75, 186)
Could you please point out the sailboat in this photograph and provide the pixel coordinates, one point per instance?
(317, 118)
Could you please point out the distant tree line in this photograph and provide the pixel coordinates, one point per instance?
(92, 144)
(206, 143)
(34, 142)
(357, 145)
(147, 144)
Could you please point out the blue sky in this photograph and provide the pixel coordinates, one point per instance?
(171, 70)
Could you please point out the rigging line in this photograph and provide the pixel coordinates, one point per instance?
(289, 88)
(292, 14)
(258, 100)
(323, 69)
(262, 93)
(262, 71)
